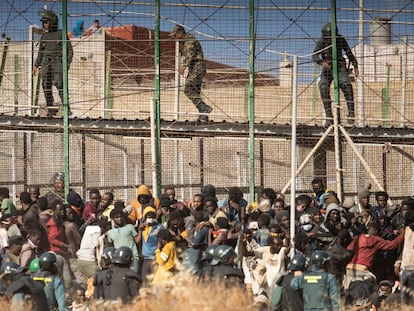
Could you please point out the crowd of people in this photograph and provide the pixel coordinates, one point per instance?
(64, 252)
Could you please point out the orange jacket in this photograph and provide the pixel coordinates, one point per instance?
(136, 212)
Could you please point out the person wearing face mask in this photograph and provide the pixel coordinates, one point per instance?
(380, 298)
(147, 236)
(305, 222)
(124, 234)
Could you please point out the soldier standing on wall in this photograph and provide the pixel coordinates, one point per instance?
(194, 63)
(322, 55)
(49, 59)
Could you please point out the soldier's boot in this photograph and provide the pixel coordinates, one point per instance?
(351, 113)
(52, 111)
(204, 109)
(349, 97)
(69, 111)
(328, 113)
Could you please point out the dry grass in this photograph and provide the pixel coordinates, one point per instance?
(184, 293)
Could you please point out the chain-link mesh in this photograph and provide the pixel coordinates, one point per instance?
(112, 77)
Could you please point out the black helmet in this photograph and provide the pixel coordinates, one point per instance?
(107, 255)
(327, 30)
(319, 258)
(58, 176)
(298, 262)
(122, 256)
(47, 261)
(223, 254)
(209, 253)
(48, 15)
(10, 269)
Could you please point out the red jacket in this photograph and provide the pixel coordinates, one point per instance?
(56, 236)
(88, 211)
(365, 247)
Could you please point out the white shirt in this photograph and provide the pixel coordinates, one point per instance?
(4, 240)
(88, 243)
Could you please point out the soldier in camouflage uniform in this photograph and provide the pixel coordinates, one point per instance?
(49, 58)
(194, 63)
(322, 55)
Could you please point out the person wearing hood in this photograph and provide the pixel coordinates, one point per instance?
(143, 199)
(363, 202)
(148, 237)
(77, 205)
(79, 29)
(328, 230)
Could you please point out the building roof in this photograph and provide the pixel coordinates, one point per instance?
(132, 51)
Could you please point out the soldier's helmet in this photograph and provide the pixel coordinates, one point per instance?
(298, 263)
(34, 265)
(123, 256)
(107, 256)
(47, 261)
(58, 176)
(319, 258)
(176, 29)
(48, 15)
(327, 30)
(223, 254)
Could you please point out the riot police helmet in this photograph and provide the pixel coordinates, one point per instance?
(47, 261)
(298, 263)
(10, 269)
(319, 258)
(209, 253)
(48, 15)
(123, 256)
(107, 255)
(223, 254)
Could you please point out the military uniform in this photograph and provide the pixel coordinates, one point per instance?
(323, 53)
(194, 61)
(53, 288)
(319, 290)
(284, 297)
(49, 58)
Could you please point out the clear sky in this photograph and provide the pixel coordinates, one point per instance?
(223, 25)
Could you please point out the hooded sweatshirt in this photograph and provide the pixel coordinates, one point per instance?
(78, 30)
(137, 208)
